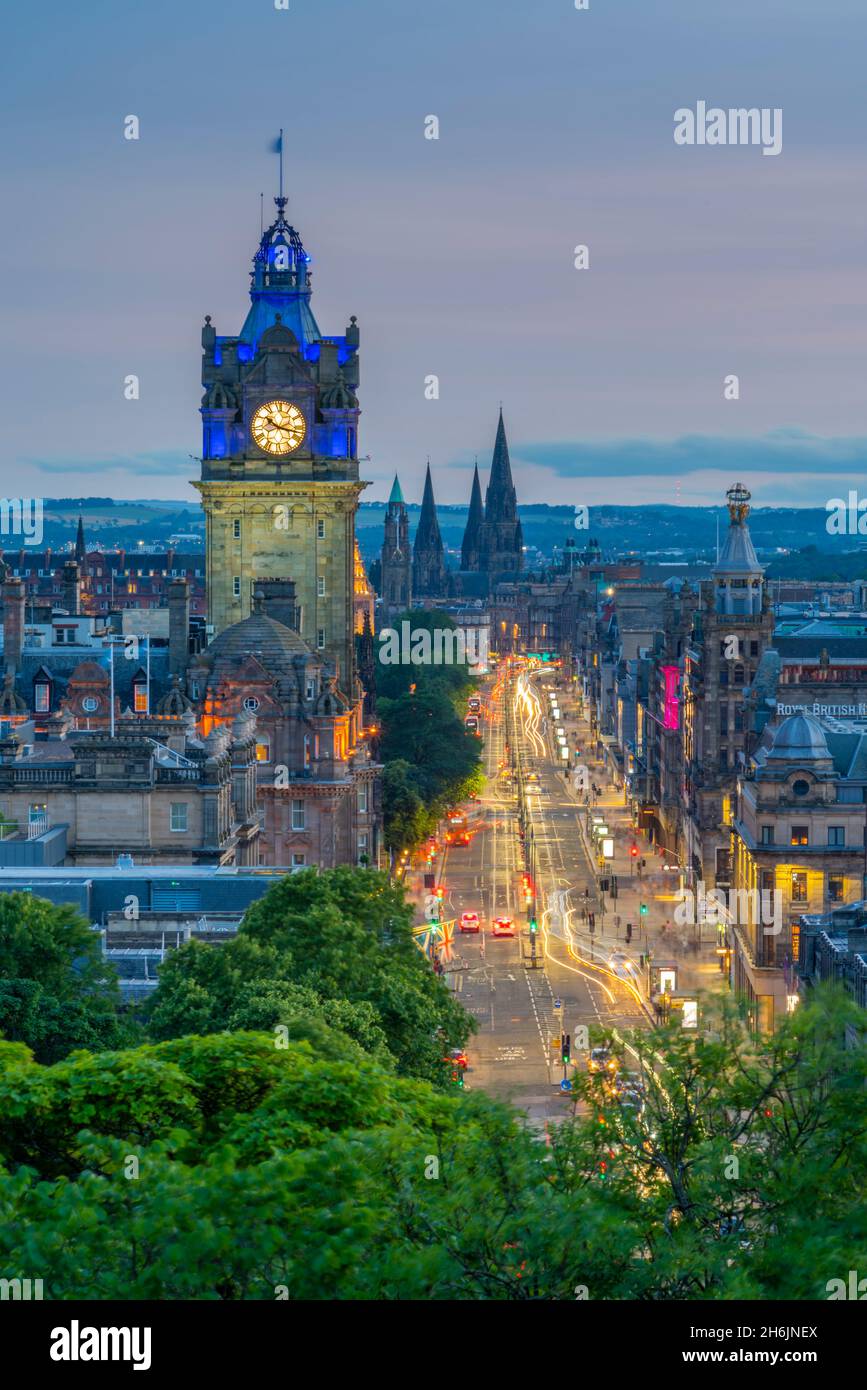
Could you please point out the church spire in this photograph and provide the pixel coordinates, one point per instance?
(428, 561)
(500, 498)
(472, 534)
(396, 495)
(80, 547)
(501, 550)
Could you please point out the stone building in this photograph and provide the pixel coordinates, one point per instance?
(154, 791)
(797, 833)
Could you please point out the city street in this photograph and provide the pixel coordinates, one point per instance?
(514, 1001)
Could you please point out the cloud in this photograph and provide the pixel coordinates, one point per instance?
(784, 451)
(168, 463)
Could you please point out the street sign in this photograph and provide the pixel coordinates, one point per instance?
(566, 1085)
(558, 1005)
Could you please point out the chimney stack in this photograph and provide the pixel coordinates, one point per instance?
(278, 601)
(13, 624)
(71, 588)
(179, 626)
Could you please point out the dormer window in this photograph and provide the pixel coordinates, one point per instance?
(140, 697)
(41, 697)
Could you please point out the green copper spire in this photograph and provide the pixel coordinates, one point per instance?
(396, 494)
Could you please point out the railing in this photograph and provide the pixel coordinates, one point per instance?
(28, 774)
(38, 825)
(177, 774)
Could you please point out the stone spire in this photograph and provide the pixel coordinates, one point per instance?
(396, 562)
(428, 561)
(473, 532)
(502, 540)
(80, 548)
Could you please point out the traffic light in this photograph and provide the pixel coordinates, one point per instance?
(643, 909)
(628, 931)
(633, 850)
(565, 1048)
(534, 926)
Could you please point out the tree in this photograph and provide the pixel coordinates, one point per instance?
(406, 818)
(56, 990)
(320, 951)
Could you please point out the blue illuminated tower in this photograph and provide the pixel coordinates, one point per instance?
(279, 480)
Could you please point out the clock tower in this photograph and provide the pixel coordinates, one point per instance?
(279, 481)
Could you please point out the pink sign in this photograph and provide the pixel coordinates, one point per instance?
(672, 704)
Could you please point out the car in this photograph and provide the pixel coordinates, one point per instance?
(462, 837)
(600, 1060)
(470, 921)
(503, 926)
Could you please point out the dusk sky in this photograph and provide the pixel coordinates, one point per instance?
(556, 129)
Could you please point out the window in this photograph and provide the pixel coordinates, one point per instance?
(836, 835)
(42, 697)
(362, 849)
(299, 861)
(362, 797)
(723, 719)
(800, 787)
(90, 704)
(739, 719)
(178, 819)
(768, 881)
(251, 704)
(835, 888)
(800, 835)
(320, 637)
(739, 675)
(754, 649)
(724, 675)
(236, 586)
(236, 529)
(140, 699)
(263, 751)
(850, 794)
(320, 586)
(298, 817)
(799, 886)
(306, 750)
(723, 759)
(767, 834)
(320, 530)
(311, 688)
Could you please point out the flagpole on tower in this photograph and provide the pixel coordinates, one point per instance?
(281, 161)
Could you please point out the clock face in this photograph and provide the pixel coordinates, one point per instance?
(278, 427)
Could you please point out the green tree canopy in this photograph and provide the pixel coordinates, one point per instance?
(56, 990)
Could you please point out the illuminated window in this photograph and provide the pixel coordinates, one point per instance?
(263, 751)
(835, 888)
(800, 835)
(799, 886)
(140, 699)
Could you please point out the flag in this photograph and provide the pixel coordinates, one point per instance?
(276, 146)
(448, 941)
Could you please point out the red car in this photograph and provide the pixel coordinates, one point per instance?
(462, 838)
(470, 921)
(503, 926)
